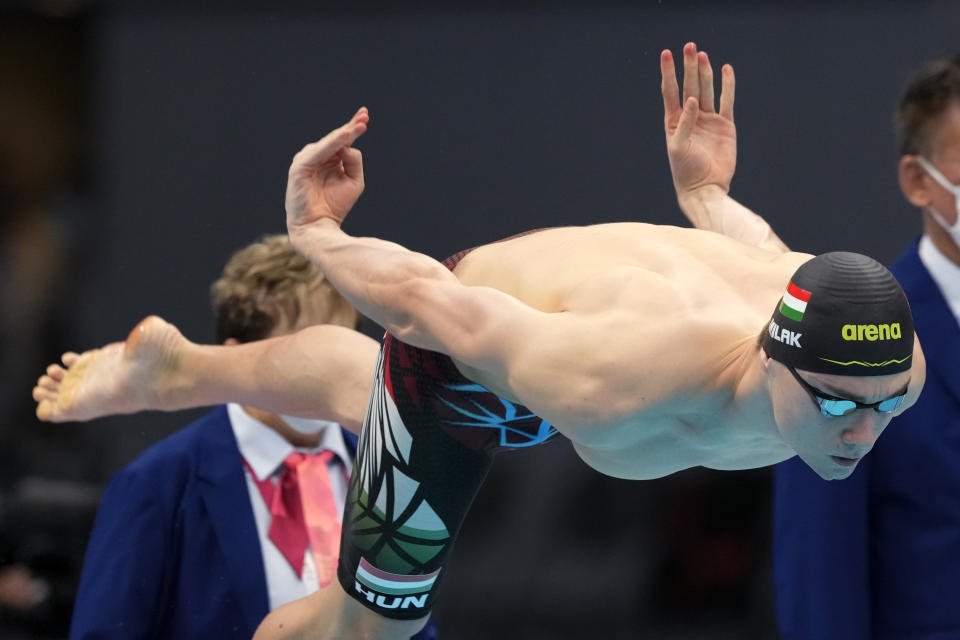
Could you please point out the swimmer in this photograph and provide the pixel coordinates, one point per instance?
(653, 349)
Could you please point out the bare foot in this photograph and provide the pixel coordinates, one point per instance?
(122, 377)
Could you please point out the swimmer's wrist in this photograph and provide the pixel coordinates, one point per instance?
(313, 240)
(320, 224)
(703, 193)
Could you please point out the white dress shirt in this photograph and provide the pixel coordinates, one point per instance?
(265, 450)
(944, 272)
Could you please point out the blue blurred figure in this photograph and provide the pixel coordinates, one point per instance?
(878, 555)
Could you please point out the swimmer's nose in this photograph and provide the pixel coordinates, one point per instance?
(863, 431)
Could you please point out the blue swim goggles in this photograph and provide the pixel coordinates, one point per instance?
(834, 407)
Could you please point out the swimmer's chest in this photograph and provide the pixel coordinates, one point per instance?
(657, 447)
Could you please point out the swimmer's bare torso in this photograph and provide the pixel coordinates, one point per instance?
(652, 360)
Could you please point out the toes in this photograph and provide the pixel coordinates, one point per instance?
(45, 411)
(43, 395)
(48, 383)
(56, 372)
(69, 358)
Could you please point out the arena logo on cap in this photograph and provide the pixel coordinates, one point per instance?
(794, 303)
(871, 332)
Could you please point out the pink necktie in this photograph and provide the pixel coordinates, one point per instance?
(303, 512)
(319, 510)
(287, 530)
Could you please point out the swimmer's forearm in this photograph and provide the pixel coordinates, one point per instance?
(379, 278)
(711, 209)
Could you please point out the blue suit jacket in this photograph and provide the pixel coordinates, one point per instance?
(878, 555)
(174, 551)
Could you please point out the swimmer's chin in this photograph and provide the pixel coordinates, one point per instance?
(842, 475)
(830, 470)
(835, 473)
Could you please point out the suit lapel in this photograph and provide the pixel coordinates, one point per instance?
(225, 494)
(351, 441)
(934, 322)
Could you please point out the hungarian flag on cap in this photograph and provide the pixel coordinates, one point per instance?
(794, 302)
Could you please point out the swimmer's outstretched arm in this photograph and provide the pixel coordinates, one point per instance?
(376, 276)
(702, 149)
(414, 297)
(323, 371)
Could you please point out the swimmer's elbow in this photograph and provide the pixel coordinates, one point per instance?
(439, 315)
(406, 305)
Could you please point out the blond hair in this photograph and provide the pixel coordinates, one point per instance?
(263, 288)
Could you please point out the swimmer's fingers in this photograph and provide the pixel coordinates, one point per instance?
(681, 139)
(352, 161)
(705, 73)
(728, 84)
(323, 150)
(669, 88)
(319, 185)
(326, 148)
(691, 72)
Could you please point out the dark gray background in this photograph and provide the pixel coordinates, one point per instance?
(486, 120)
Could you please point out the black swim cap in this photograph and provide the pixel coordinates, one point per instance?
(844, 314)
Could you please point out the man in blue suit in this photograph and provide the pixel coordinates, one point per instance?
(878, 555)
(182, 545)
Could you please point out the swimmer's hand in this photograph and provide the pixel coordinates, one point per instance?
(326, 176)
(701, 143)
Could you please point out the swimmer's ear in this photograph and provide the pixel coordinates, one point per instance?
(765, 360)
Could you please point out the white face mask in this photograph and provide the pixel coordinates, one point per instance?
(307, 426)
(952, 229)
